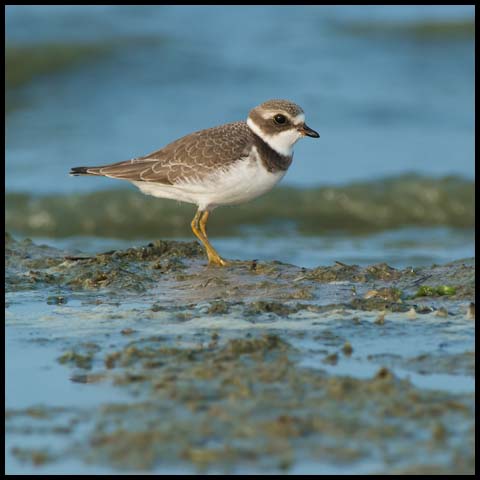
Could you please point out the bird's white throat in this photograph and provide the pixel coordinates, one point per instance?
(281, 142)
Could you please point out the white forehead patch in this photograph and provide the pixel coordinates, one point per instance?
(281, 142)
(299, 119)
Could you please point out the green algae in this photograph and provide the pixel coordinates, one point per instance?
(427, 291)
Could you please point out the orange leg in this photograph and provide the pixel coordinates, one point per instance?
(198, 225)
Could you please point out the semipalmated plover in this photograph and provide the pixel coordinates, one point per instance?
(223, 165)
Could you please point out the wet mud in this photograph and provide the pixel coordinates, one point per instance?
(256, 367)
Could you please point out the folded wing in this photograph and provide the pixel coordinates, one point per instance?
(187, 159)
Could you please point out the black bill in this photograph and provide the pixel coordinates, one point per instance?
(308, 131)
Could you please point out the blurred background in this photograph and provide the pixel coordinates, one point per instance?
(389, 88)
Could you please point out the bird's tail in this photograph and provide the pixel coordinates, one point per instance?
(81, 171)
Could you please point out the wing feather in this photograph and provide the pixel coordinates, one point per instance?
(186, 159)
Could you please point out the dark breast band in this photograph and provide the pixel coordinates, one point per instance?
(271, 159)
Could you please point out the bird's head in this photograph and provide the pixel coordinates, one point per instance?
(279, 123)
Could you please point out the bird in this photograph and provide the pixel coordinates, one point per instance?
(224, 165)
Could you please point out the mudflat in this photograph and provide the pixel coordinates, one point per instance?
(147, 360)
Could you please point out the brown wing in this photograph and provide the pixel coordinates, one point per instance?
(191, 157)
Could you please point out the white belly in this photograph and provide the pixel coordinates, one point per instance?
(243, 181)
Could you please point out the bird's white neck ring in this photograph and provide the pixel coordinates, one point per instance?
(281, 142)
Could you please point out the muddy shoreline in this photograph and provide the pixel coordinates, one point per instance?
(260, 366)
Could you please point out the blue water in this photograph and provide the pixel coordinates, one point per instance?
(383, 105)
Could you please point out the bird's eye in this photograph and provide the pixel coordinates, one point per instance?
(279, 118)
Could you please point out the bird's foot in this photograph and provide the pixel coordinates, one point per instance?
(217, 261)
